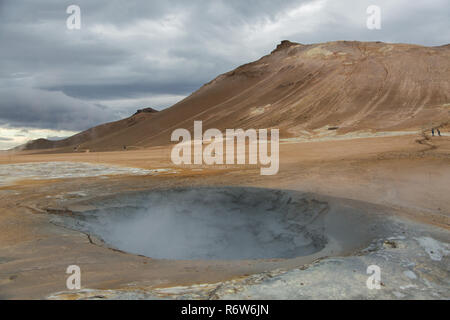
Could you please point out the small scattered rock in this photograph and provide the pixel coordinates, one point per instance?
(390, 244)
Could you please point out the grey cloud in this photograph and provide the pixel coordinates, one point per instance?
(53, 110)
(52, 138)
(132, 50)
(127, 90)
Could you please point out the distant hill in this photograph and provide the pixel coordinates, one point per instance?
(82, 140)
(343, 85)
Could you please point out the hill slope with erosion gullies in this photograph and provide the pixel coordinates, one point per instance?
(345, 86)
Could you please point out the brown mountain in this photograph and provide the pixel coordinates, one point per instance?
(113, 130)
(344, 85)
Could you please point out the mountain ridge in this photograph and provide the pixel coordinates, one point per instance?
(300, 88)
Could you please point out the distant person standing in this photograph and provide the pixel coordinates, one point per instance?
(438, 131)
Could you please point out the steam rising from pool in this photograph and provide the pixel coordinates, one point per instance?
(225, 223)
(220, 224)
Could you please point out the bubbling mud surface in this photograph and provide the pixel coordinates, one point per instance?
(227, 223)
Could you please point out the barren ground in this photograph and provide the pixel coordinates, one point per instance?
(408, 174)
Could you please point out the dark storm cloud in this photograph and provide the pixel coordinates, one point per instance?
(132, 53)
(127, 90)
(52, 110)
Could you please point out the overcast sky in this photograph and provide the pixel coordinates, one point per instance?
(134, 54)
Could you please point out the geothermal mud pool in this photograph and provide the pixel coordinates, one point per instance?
(226, 224)
(308, 246)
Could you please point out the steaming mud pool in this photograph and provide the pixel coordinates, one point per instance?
(223, 224)
(299, 238)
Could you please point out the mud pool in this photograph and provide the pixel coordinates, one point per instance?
(227, 223)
